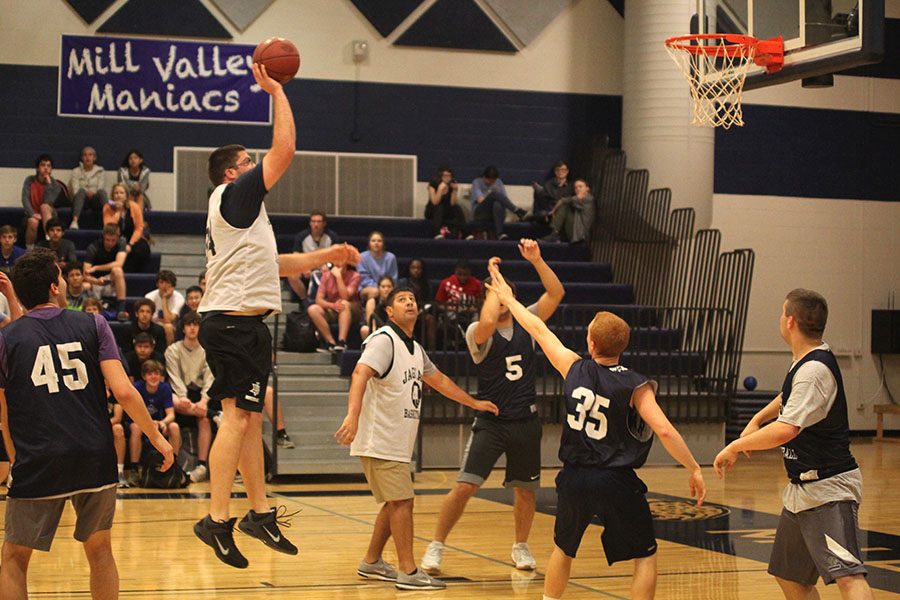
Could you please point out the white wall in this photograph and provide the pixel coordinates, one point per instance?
(847, 250)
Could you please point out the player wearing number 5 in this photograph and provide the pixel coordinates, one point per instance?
(505, 363)
(53, 363)
(603, 441)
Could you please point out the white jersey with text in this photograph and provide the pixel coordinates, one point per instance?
(241, 264)
(389, 420)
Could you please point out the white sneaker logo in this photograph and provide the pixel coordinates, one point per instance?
(222, 549)
(275, 539)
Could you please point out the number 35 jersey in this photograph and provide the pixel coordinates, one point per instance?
(56, 402)
(602, 429)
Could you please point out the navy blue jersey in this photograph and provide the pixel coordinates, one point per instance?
(56, 402)
(821, 450)
(602, 429)
(506, 376)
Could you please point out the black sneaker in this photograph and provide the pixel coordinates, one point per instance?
(521, 214)
(220, 537)
(264, 527)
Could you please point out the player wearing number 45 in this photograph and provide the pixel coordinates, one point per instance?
(504, 356)
(53, 363)
(603, 441)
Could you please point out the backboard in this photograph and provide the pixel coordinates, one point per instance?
(820, 36)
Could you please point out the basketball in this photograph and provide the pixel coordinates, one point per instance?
(280, 57)
(750, 383)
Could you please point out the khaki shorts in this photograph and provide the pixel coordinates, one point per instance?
(32, 523)
(390, 481)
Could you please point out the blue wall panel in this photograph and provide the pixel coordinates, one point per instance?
(522, 133)
(810, 153)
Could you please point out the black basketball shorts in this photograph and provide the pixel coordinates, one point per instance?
(611, 498)
(239, 354)
(492, 438)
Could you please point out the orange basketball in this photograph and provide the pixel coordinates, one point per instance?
(280, 57)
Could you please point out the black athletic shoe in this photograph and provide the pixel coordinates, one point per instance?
(220, 537)
(264, 527)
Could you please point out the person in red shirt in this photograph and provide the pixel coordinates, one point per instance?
(40, 194)
(459, 296)
(336, 300)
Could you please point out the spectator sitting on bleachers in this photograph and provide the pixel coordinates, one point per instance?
(336, 300)
(490, 203)
(316, 236)
(546, 196)
(9, 252)
(459, 296)
(573, 217)
(10, 308)
(92, 306)
(375, 263)
(87, 185)
(190, 378)
(417, 280)
(443, 209)
(376, 314)
(144, 349)
(157, 395)
(103, 267)
(168, 301)
(63, 248)
(143, 323)
(192, 297)
(127, 214)
(76, 292)
(136, 177)
(41, 193)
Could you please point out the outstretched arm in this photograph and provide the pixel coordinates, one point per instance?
(559, 356)
(771, 436)
(284, 135)
(448, 388)
(295, 263)
(644, 401)
(553, 287)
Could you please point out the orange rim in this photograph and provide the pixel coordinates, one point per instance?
(741, 45)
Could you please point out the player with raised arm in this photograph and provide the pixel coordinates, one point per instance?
(55, 365)
(243, 287)
(505, 361)
(603, 441)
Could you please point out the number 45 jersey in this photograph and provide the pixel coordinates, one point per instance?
(602, 429)
(56, 402)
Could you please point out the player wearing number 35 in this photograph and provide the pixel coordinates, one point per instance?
(607, 409)
(55, 365)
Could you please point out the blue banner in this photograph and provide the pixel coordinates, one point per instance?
(142, 78)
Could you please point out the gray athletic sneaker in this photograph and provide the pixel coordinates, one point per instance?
(379, 570)
(420, 580)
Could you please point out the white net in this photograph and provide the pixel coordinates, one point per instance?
(716, 71)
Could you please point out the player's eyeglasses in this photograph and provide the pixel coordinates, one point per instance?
(244, 163)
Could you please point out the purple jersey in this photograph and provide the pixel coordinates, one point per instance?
(56, 402)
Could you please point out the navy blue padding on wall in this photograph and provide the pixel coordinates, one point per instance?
(810, 153)
(459, 24)
(89, 10)
(523, 133)
(889, 67)
(385, 15)
(188, 18)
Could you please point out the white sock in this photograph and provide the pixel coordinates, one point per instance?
(121, 468)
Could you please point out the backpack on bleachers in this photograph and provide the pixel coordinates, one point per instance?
(152, 477)
(299, 333)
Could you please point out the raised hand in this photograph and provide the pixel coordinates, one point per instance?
(529, 250)
(262, 78)
(498, 284)
(342, 254)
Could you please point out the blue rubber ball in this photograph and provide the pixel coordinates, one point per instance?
(750, 383)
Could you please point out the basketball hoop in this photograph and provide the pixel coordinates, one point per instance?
(715, 66)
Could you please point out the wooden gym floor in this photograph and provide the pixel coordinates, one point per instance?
(718, 552)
